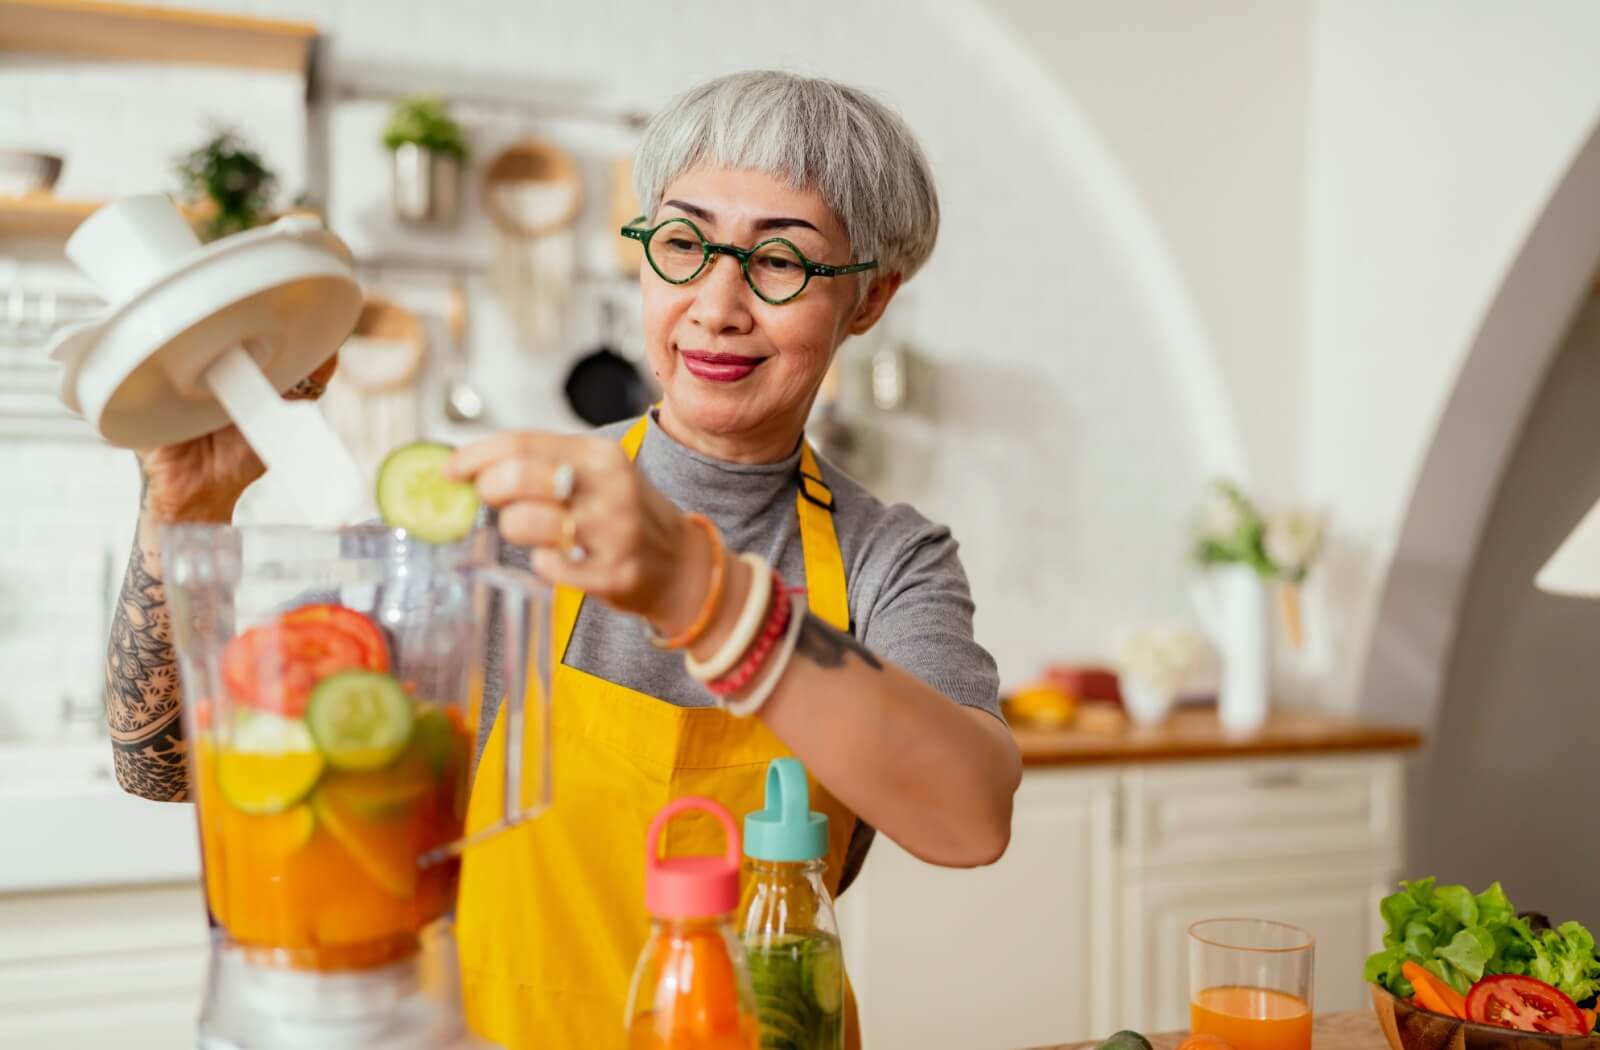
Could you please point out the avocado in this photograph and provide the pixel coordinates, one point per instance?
(1126, 1041)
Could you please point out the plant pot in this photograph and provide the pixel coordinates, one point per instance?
(427, 186)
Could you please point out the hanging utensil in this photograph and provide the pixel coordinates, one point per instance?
(532, 191)
(462, 402)
(603, 386)
(372, 400)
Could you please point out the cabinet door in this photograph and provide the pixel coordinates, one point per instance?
(1015, 954)
(118, 967)
(1336, 906)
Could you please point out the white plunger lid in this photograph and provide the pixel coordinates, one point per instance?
(199, 335)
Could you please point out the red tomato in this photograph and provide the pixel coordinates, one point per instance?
(275, 666)
(1525, 1004)
(374, 648)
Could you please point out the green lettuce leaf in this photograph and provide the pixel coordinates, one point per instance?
(1461, 936)
(1565, 958)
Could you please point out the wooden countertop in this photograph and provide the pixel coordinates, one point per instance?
(1193, 733)
(1356, 1030)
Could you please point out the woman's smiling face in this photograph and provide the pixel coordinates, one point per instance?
(737, 372)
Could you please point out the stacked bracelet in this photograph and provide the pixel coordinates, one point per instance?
(778, 662)
(708, 609)
(756, 656)
(745, 630)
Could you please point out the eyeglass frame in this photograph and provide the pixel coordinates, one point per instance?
(710, 248)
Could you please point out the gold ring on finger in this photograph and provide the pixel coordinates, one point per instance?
(570, 547)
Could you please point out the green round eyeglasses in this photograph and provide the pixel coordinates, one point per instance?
(775, 269)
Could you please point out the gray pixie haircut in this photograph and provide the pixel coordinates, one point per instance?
(815, 134)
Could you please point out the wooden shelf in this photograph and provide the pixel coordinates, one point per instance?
(47, 218)
(42, 216)
(95, 29)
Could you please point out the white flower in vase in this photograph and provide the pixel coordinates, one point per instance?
(1152, 664)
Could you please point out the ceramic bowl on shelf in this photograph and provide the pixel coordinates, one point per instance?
(22, 172)
(1408, 1027)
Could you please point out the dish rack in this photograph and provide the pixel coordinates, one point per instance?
(30, 403)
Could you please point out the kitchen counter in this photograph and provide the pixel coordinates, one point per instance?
(1193, 733)
(1355, 1030)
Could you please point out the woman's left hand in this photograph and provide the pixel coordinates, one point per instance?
(611, 534)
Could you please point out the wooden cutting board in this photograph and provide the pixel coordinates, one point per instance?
(1356, 1030)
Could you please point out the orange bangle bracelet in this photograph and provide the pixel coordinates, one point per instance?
(719, 575)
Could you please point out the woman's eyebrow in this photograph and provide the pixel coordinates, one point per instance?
(777, 223)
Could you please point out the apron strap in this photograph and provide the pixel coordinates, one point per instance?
(826, 594)
(825, 581)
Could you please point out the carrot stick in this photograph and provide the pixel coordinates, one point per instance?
(1434, 993)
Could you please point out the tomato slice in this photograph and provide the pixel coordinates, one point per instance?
(275, 666)
(1523, 1003)
(366, 633)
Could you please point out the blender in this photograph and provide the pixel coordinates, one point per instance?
(338, 679)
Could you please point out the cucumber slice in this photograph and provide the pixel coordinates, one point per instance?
(360, 720)
(434, 738)
(414, 494)
(269, 764)
(827, 975)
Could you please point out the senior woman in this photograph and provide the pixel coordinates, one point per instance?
(783, 214)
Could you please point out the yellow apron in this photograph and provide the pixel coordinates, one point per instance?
(551, 916)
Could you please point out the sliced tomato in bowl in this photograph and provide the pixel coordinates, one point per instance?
(360, 627)
(1524, 1003)
(275, 666)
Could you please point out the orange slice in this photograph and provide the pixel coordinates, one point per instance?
(385, 850)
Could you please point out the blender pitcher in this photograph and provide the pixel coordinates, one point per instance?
(336, 701)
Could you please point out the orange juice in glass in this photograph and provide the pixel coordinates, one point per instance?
(1250, 983)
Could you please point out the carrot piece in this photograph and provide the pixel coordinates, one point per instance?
(1588, 1018)
(1434, 993)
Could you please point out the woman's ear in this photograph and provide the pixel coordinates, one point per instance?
(872, 305)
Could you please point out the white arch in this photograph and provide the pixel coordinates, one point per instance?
(1079, 147)
(1523, 327)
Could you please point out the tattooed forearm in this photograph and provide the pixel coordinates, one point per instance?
(142, 697)
(826, 647)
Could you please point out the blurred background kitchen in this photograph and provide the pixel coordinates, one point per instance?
(1338, 253)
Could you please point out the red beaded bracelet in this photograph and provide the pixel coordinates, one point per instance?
(756, 657)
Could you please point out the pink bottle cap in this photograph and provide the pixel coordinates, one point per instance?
(691, 887)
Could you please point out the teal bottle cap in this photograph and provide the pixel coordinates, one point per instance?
(786, 830)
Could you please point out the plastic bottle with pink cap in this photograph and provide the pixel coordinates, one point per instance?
(691, 988)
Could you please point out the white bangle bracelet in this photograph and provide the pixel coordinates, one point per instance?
(749, 705)
(745, 631)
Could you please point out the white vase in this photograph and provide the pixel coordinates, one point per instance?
(1234, 608)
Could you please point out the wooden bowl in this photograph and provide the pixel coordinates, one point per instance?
(1409, 1028)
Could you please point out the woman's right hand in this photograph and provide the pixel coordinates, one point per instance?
(201, 479)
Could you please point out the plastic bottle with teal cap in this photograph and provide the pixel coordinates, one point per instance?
(786, 918)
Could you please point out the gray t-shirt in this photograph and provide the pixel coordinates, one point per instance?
(908, 595)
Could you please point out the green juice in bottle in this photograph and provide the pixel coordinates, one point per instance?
(786, 918)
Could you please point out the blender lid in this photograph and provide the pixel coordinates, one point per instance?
(284, 292)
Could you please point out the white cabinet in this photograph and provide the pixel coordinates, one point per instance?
(1081, 928)
(1000, 956)
(117, 967)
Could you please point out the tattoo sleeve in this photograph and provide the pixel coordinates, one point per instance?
(826, 647)
(143, 701)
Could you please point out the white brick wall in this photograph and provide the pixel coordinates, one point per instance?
(1056, 441)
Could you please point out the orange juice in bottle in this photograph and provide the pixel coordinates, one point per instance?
(691, 988)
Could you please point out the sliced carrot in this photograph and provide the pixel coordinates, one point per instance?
(1434, 993)
(1588, 1019)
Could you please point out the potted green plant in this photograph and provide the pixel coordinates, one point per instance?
(228, 184)
(429, 150)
